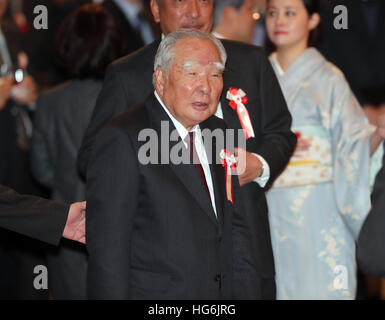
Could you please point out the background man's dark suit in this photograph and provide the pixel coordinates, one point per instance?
(358, 50)
(133, 38)
(59, 126)
(370, 246)
(32, 216)
(129, 80)
(18, 254)
(161, 239)
(14, 166)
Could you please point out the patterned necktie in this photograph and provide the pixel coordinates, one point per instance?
(194, 159)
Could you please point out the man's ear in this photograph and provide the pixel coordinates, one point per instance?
(155, 10)
(160, 81)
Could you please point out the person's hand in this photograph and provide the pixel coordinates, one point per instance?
(75, 228)
(5, 90)
(248, 165)
(26, 91)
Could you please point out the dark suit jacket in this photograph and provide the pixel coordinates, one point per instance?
(129, 80)
(13, 39)
(356, 51)
(370, 246)
(133, 38)
(32, 216)
(61, 119)
(151, 229)
(14, 163)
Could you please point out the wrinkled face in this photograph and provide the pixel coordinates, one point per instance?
(177, 14)
(192, 89)
(288, 23)
(3, 7)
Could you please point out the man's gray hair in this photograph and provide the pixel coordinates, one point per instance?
(219, 6)
(165, 53)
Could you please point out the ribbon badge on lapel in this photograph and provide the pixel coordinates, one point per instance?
(229, 163)
(237, 102)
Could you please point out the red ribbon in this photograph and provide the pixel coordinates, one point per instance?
(228, 164)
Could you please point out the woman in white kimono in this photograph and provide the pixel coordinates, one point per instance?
(318, 204)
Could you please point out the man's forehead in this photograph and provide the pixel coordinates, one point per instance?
(195, 46)
(196, 52)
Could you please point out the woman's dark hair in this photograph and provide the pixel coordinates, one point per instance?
(87, 42)
(313, 6)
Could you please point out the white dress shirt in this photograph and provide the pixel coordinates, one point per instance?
(201, 151)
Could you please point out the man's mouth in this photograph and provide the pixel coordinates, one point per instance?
(193, 26)
(200, 106)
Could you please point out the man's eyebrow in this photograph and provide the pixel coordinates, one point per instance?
(219, 66)
(189, 64)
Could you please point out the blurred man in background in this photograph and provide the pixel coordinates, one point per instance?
(18, 255)
(233, 20)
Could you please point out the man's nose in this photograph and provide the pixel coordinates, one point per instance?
(204, 84)
(193, 9)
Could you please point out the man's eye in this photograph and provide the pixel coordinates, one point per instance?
(192, 73)
(272, 13)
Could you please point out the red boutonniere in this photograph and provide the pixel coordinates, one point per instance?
(229, 163)
(238, 100)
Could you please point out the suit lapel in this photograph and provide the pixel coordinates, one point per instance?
(217, 174)
(230, 115)
(186, 173)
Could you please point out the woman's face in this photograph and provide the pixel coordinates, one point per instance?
(288, 23)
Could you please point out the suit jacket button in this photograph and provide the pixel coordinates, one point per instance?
(217, 278)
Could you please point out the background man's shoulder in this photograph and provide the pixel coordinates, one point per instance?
(133, 119)
(241, 48)
(137, 58)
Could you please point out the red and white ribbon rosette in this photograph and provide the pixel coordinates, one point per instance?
(238, 100)
(229, 163)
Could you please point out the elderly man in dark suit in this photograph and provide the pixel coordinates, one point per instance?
(170, 231)
(128, 82)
